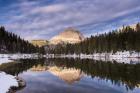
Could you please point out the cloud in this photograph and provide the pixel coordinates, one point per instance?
(49, 9)
(39, 19)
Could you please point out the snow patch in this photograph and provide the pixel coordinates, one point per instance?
(6, 82)
(4, 60)
(19, 56)
(130, 57)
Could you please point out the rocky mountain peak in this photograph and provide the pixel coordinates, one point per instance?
(69, 35)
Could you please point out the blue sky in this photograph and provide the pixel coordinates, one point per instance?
(43, 19)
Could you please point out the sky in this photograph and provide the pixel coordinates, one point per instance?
(43, 19)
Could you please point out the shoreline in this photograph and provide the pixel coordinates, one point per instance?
(118, 54)
(121, 57)
(21, 56)
(10, 83)
(21, 85)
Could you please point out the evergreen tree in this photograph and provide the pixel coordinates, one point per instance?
(117, 40)
(11, 43)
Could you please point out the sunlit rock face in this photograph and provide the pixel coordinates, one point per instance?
(68, 75)
(70, 35)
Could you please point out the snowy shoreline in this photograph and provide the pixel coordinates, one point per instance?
(125, 56)
(20, 56)
(11, 83)
(7, 82)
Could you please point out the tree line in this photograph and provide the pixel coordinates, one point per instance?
(11, 43)
(126, 38)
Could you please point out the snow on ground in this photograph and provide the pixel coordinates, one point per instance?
(18, 56)
(4, 60)
(7, 81)
(130, 57)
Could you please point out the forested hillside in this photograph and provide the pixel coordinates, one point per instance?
(118, 40)
(11, 43)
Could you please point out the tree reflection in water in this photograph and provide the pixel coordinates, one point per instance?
(118, 73)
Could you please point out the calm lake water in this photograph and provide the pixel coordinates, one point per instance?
(75, 76)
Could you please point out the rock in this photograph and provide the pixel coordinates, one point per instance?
(70, 35)
(21, 85)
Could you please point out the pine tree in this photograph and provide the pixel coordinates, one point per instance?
(117, 40)
(11, 43)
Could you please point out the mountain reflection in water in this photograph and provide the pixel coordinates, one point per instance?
(72, 70)
(68, 75)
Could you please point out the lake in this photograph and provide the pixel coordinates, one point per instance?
(65, 75)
